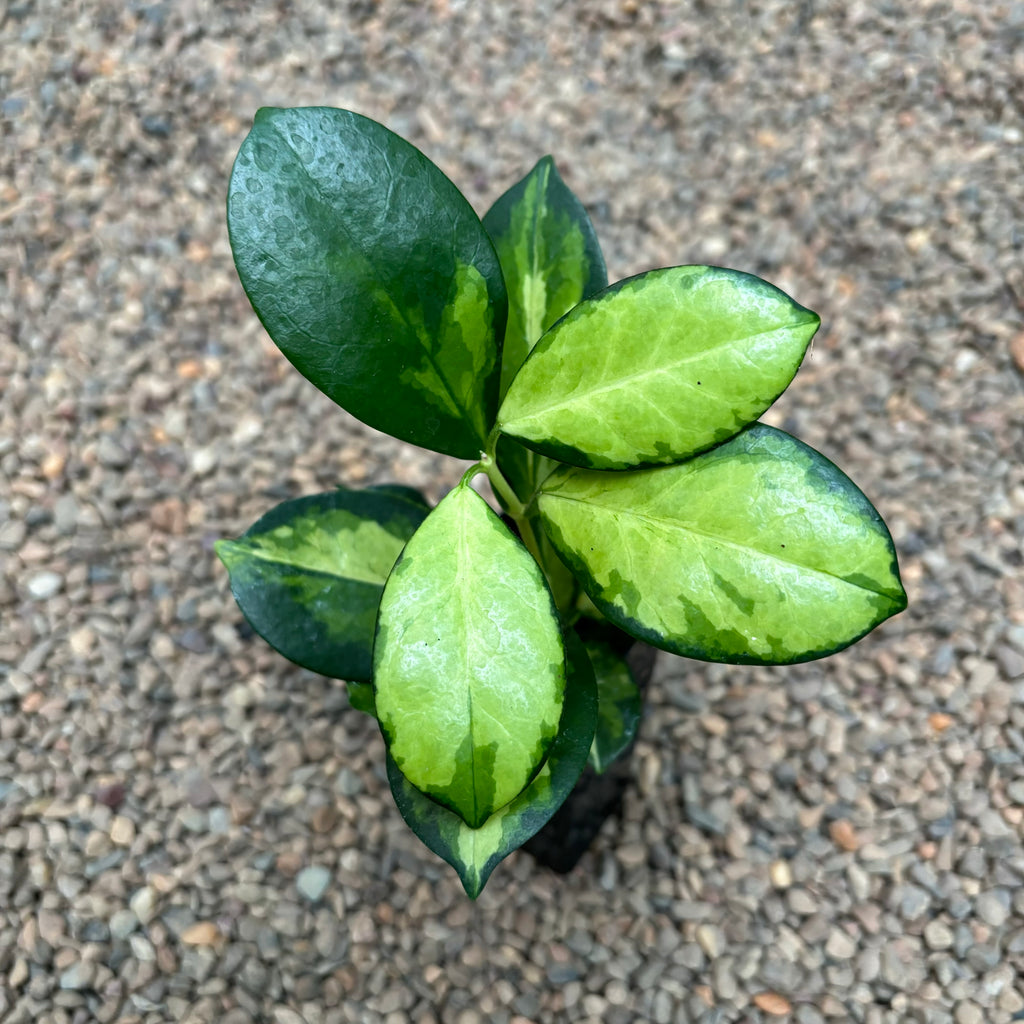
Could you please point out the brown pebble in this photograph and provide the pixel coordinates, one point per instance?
(202, 933)
(843, 835)
(773, 1003)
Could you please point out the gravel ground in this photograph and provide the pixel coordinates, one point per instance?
(192, 830)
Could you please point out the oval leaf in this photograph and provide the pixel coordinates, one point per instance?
(474, 853)
(657, 368)
(468, 660)
(759, 552)
(309, 574)
(372, 274)
(549, 254)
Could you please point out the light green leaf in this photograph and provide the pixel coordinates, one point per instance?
(760, 551)
(657, 368)
(372, 274)
(468, 660)
(309, 574)
(549, 255)
(474, 853)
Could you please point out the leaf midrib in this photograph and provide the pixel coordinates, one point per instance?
(667, 525)
(263, 555)
(622, 383)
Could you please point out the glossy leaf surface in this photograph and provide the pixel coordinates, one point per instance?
(310, 573)
(549, 255)
(759, 551)
(657, 368)
(468, 661)
(619, 704)
(474, 853)
(372, 274)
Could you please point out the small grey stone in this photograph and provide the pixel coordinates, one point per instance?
(142, 948)
(348, 783)
(840, 945)
(562, 974)
(111, 454)
(122, 923)
(993, 907)
(143, 904)
(65, 514)
(199, 791)
(973, 863)
(983, 956)
(219, 820)
(312, 882)
(44, 585)
(914, 901)
(938, 935)
(78, 976)
(1011, 662)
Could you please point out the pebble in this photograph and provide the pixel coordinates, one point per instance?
(938, 935)
(122, 831)
(202, 933)
(844, 836)
(44, 585)
(78, 976)
(840, 945)
(143, 904)
(993, 907)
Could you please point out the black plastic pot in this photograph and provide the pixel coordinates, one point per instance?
(566, 837)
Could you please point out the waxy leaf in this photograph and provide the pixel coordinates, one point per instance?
(474, 853)
(468, 661)
(657, 368)
(760, 551)
(309, 574)
(619, 704)
(549, 255)
(372, 274)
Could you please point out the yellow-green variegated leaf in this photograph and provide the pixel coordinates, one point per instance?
(309, 574)
(474, 853)
(468, 660)
(372, 274)
(657, 368)
(760, 551)
(549, 255)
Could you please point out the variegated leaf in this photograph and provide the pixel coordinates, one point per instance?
(760, 551)
(309, 574)
(474, 853)
(372, 273)
(468, 660)
(549, 255)
(657, 368)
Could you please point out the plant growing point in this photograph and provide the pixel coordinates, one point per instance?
(618, 428)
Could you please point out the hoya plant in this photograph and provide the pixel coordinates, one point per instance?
(638, 496)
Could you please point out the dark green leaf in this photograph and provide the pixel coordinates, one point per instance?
(549, 255)
(474, 853)
(760, 551)
(360, 696)
(619, 704)
(468, 660)
(309, 575)
(372, 273)
(657, 368)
